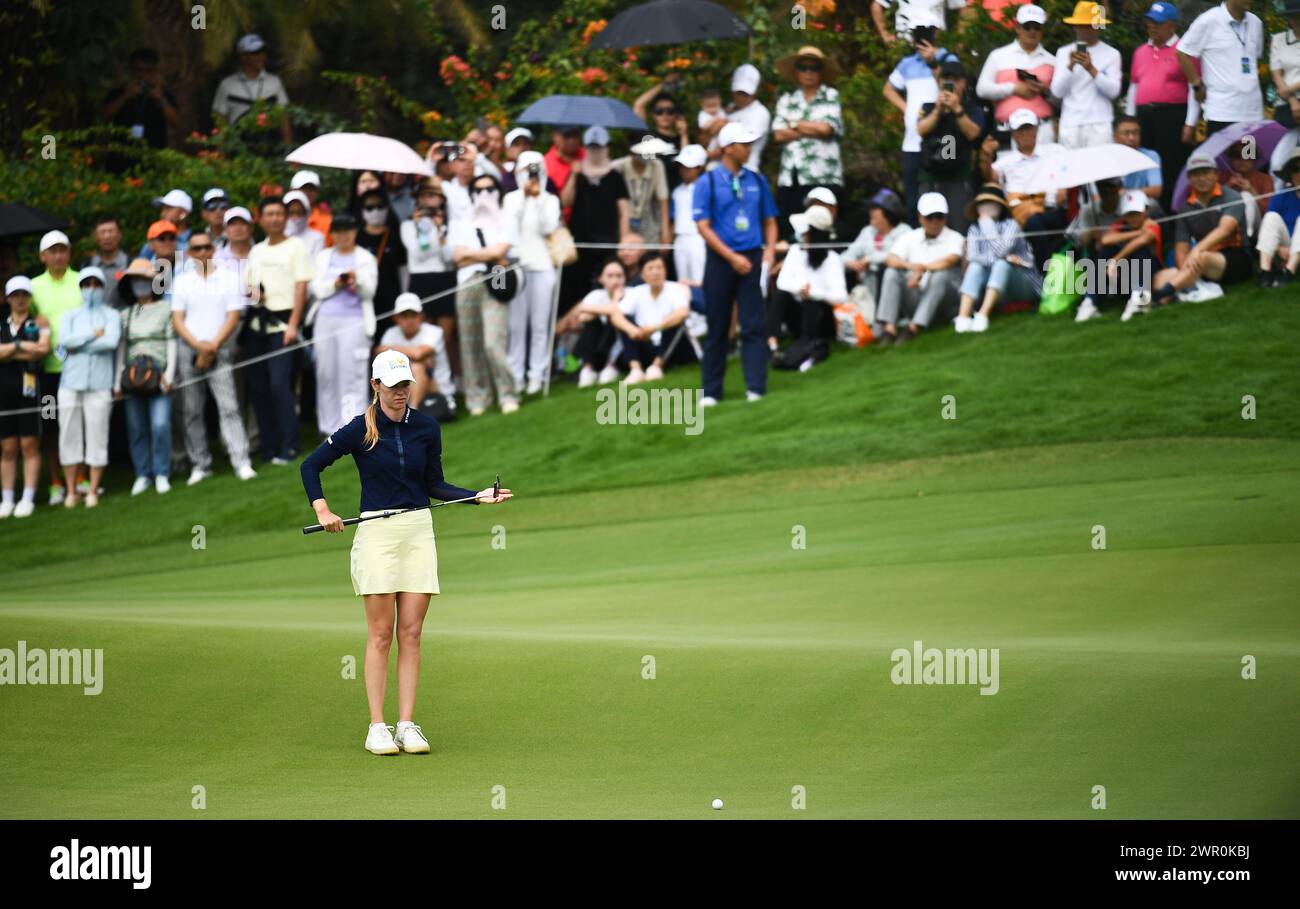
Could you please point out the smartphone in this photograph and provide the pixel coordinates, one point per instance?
(1080, 47)
(1026, 76)
(950, 86)
(1003, 135)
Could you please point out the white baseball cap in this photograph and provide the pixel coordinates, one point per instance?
(692, 156)
(519, 132)
(391, 367)
(1031, 13)
(297, 195)
(215, 193)
(304, 178)
(816, 217)
(237, 212)
(54, 238)
(746, 79)
(1023, 117)
(821, 194)
(1133, 200)
(250, 44)
(734, 133)
(407, 302)
(931, 204)
(91, 271)
(18, 283)
(178, 198)
(595, 135)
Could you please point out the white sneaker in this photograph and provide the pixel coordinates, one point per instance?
(411, 739)
(706, 401)
(634, 377)
(534, 386)
(1087, 310)
(197, 475)
(379, 740)
(961, 324)
(6, 509)
(654, 373)
(609, 374)
(477, 411)
(752, 396)
(24, 509)
(92, 499)
(807, 364)
(509, 406)
(162, 484)
(587, 377)
(1138, 302)
(1202, 291)
(245, 472)
(979, 322)
(281, 462)
(139, 486)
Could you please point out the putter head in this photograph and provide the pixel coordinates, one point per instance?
(496, 488)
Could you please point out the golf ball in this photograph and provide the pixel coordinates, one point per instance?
(717, 804)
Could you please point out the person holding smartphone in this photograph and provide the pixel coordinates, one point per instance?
(1088, 77)
(429, 262)
(1018, 76)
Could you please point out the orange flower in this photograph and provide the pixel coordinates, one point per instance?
(592, 30)
(261, 119)
(134, 182)
(103, 187)
(593, 74)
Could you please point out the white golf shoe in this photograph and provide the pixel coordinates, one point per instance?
(410, 738)
(379, 740)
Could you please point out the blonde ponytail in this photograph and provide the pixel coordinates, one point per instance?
(372, 424)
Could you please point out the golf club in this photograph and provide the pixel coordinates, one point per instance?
(348, 522)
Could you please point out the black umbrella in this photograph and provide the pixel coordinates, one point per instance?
(17, 220)
(671, 22)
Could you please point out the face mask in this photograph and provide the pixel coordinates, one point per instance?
(486, 204)
(141, 288)
(294, 226)
(92, 296)
(376, 218)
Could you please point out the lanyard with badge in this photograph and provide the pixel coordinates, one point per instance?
(1241, 35)
(20, 333)
(741, 221)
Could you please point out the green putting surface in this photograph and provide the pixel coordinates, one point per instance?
(1119, 667)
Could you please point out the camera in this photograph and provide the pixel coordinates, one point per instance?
(451, 150)
(950, 86)
(535, 172)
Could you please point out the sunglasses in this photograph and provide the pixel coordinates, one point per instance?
(809, 67)
(166, 238)
(479, 190)
(216, 206)
(665, 110)
(1031, 26)
(934, 217)
(374, 207)
(201, 247)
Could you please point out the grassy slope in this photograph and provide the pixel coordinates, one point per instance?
(1118, 668)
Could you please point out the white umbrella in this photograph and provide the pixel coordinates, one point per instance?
(1080, 166)
(360, 151)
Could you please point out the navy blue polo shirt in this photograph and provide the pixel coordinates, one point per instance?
(735, 206)
(403, 470)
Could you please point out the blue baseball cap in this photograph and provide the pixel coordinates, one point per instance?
(1162, 12)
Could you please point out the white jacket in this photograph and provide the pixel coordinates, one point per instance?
(322, 286)
(537, 217)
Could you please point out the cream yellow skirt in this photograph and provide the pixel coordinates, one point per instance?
(395, 555)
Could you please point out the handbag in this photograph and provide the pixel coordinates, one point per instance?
(141, 376)
(559, 243)
(503, 284)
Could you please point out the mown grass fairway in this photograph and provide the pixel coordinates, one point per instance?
(1119, 668)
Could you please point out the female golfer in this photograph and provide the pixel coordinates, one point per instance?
(398, 452)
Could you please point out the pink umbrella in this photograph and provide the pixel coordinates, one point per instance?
(360, 151)
(1081, 166)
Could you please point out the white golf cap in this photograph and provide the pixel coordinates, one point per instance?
(407, 302)
(931, 204)
(18, 283)
(595, 135)
(391, 367)
(250, 44)
(652, 146)
(1031, 13)
(1195, 162)
(821, 194)
(815, 217)
(734, 133)
(304, 178)
(746, 79)
(692, 156)
(91, 271)
(297, 195)
(54, 238)
(237, 212)
(519, 132)
(215, 193)
(1023, 117)
(178, 198)
(1132, 200)
(529, 158)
